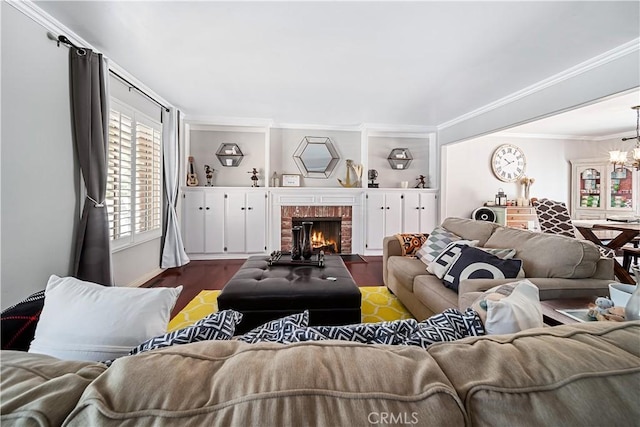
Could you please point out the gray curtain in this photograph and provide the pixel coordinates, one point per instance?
(173, 254)
(90, 115)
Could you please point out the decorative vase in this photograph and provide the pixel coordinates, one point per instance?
(632, 309)
(295, 244)
(307, 250)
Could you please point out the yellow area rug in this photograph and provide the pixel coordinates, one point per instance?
(378, 305)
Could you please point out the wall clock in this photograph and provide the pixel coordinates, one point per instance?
(508, 163)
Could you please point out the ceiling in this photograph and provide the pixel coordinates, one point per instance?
(347, 63)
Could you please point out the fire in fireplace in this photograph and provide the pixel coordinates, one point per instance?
(325, 233)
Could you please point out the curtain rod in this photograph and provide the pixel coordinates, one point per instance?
(64, 40)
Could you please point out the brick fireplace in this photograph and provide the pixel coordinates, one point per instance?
(292, 215)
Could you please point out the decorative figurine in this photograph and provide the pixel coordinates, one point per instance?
(254, 177)
(356, 170)
(421, 183)
(209, 173)
(373, 174)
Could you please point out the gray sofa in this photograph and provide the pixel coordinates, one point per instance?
(561, 267)
(586, 374)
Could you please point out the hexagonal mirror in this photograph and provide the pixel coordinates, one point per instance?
(316, 157)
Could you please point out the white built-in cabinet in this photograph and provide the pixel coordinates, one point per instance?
(420, 212)
(598, 190)
(245, 221)
(383, 217)
(390, 212)
(221, 221)
(203, 221)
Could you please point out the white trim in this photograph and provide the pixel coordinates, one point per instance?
(382, 128)
(144, 279)
(393, 134)
(566, 137)
(312, 126)
(226, 128)
(588, 65)
(228, 121)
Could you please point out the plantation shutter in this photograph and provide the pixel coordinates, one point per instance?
(148, 178)
(119, 175)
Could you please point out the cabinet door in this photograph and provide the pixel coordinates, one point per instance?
(235, 217)
(393, 214)
(621, 188)
(428, 212)
(375, 220)
(193, 221)
(412, 213)
(256, 224)
(213, 222)
(589, 182)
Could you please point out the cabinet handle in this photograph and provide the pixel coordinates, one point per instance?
(381, 207)
(417, 207)
(242, 208)
(207, 208)
(387, 207)
(249, 208)
(422, 207)
(200, 208)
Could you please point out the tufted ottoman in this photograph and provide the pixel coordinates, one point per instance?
(263, 293)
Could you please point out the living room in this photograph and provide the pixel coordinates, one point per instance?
(47, 162)
(453, 81)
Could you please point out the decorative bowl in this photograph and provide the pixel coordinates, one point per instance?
(620, 293)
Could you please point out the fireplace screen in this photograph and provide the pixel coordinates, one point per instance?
(325, 233)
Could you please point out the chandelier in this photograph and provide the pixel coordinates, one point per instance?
(619, 158)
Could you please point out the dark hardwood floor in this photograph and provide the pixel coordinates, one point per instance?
(197, 276)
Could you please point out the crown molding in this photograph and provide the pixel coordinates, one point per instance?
(590, 64)
(222, 121)
(541, 136)
(315, 126)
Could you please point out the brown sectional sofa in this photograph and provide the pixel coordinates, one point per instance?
(586, 374)
(561, 267)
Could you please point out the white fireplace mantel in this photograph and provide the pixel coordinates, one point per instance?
(306, 196)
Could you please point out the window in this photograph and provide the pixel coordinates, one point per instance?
(134, 195)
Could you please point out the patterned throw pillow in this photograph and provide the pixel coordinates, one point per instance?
(217, 326)
(436, 242)
(474, 263)
(19, 322)
(279, 330)
(389, 333)
(411, 243)
(446, 258)
(450, 325)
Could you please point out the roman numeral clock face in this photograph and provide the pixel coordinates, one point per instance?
(508, 163)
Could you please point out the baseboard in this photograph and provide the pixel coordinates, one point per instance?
(144, 279)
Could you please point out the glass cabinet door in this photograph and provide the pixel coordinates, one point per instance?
(621, 189)
(589, 179)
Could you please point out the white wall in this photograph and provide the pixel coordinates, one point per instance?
(469, 181)
(39, 172)
(39, 182)
(284, 143)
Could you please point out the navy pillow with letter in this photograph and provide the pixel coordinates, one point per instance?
(475, 263)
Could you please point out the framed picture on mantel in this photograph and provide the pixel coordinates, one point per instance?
(290, 180)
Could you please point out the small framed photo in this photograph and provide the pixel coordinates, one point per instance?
(290, 180)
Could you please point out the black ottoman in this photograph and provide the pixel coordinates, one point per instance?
(263, 293)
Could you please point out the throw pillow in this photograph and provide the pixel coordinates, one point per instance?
(19, 322)
(436, 242)
(411, 243)
(389, 333)
(445, 259)
(216, 326)
(474, 263)
(510, 308)
(86, 321)
(500, 253)
(279, 330)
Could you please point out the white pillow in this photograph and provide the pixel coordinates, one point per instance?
(86, 321)
(519, 311)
